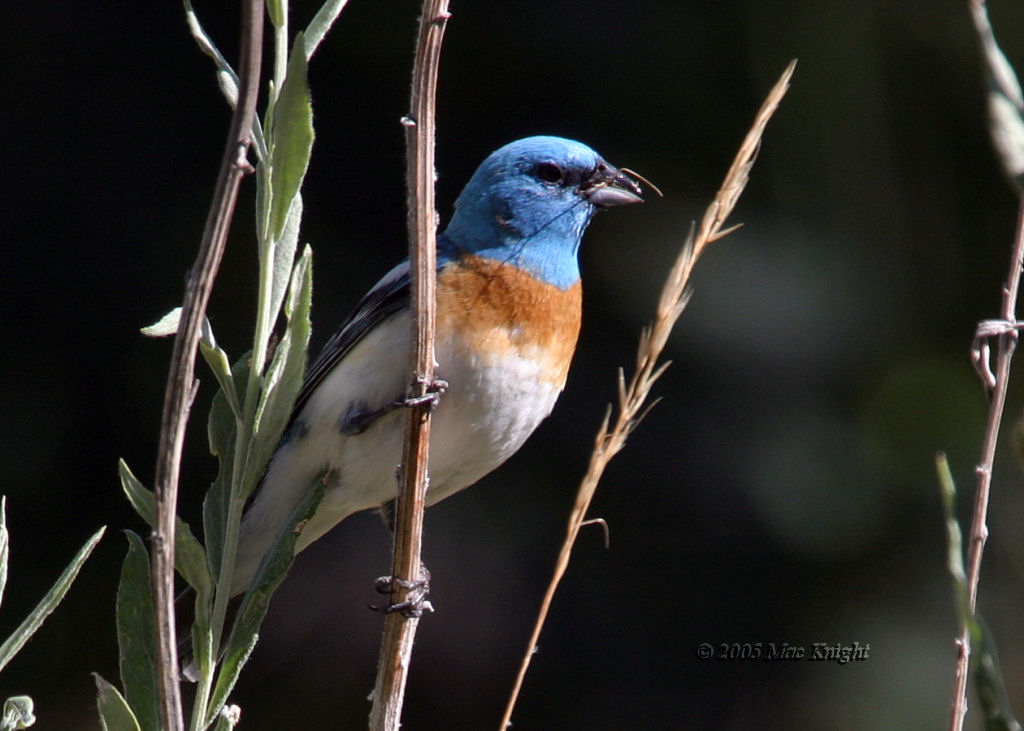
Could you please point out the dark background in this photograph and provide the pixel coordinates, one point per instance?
(783, 490)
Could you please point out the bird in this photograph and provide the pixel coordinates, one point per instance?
(509, 303)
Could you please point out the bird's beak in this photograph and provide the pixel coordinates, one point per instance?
(609, 186)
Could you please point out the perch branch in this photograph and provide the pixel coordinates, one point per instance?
(400, 627)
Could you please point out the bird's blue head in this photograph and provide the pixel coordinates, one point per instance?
(529, 202)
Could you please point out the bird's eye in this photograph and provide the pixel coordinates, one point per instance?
(550, 173)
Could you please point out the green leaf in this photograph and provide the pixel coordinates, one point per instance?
(165, 326)
(19, 713)
(115, 715)
(275, 10)
(48, 603)
(4, 545)
(284, 377)
(284, 255)
(292, 138)
(202, 640)
(227, 79)
(954, 539)
(988, 680)
(321, 23)
(228, 84)
(136, 646)
(1007, 129)
(189, 555)
(218, 361)
(254, 605)
(221, 426)
(1005, 100)
(203, 40)
(168, 325)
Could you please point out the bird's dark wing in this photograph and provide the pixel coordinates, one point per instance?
(388, 296)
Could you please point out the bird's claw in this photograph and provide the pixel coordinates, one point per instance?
(433, 395)
(415, 603)
(356, 421)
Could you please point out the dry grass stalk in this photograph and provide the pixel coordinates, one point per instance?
(632, 397)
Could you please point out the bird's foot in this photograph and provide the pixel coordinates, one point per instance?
(433, 396)
(357, 420)
(415, 603)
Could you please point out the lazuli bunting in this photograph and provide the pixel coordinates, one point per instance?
(508, 316)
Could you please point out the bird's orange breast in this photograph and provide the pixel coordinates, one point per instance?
(497, 310)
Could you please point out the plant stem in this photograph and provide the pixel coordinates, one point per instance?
(633, 398)
(281, 51)
(1006, 343)
(181, 377)
(399, 629)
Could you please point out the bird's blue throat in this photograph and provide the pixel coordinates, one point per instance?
(549, 253)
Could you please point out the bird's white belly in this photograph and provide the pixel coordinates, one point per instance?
(484, 416)
(487, 412)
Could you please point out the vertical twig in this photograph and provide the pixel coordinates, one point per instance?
(181, 383)
(1006, 110)
(632, 401)
(1005, 331)
(400, 629)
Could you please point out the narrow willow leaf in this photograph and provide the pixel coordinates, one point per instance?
(227, 79)
(284, 255)
(202, 641)
(48, 603)
(321, 24)
(218, 361)
(189, 554)
(268, 577)
(988, 680)
(284, 377)
(221, 428)
(168, 325)
(262, 212)
(275, 9)
(292, 138)
(954, 539)
(1005, 100)
(115, 715)
(206, 44)
(300, 290)
(228, 84)
(136, 648)
(4, 546)
(165, 326)
(1007, 130)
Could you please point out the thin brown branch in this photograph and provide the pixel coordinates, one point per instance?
(633, 397)
(1006, 342)
(400, 627)
(181, 377)
(1003, 87)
